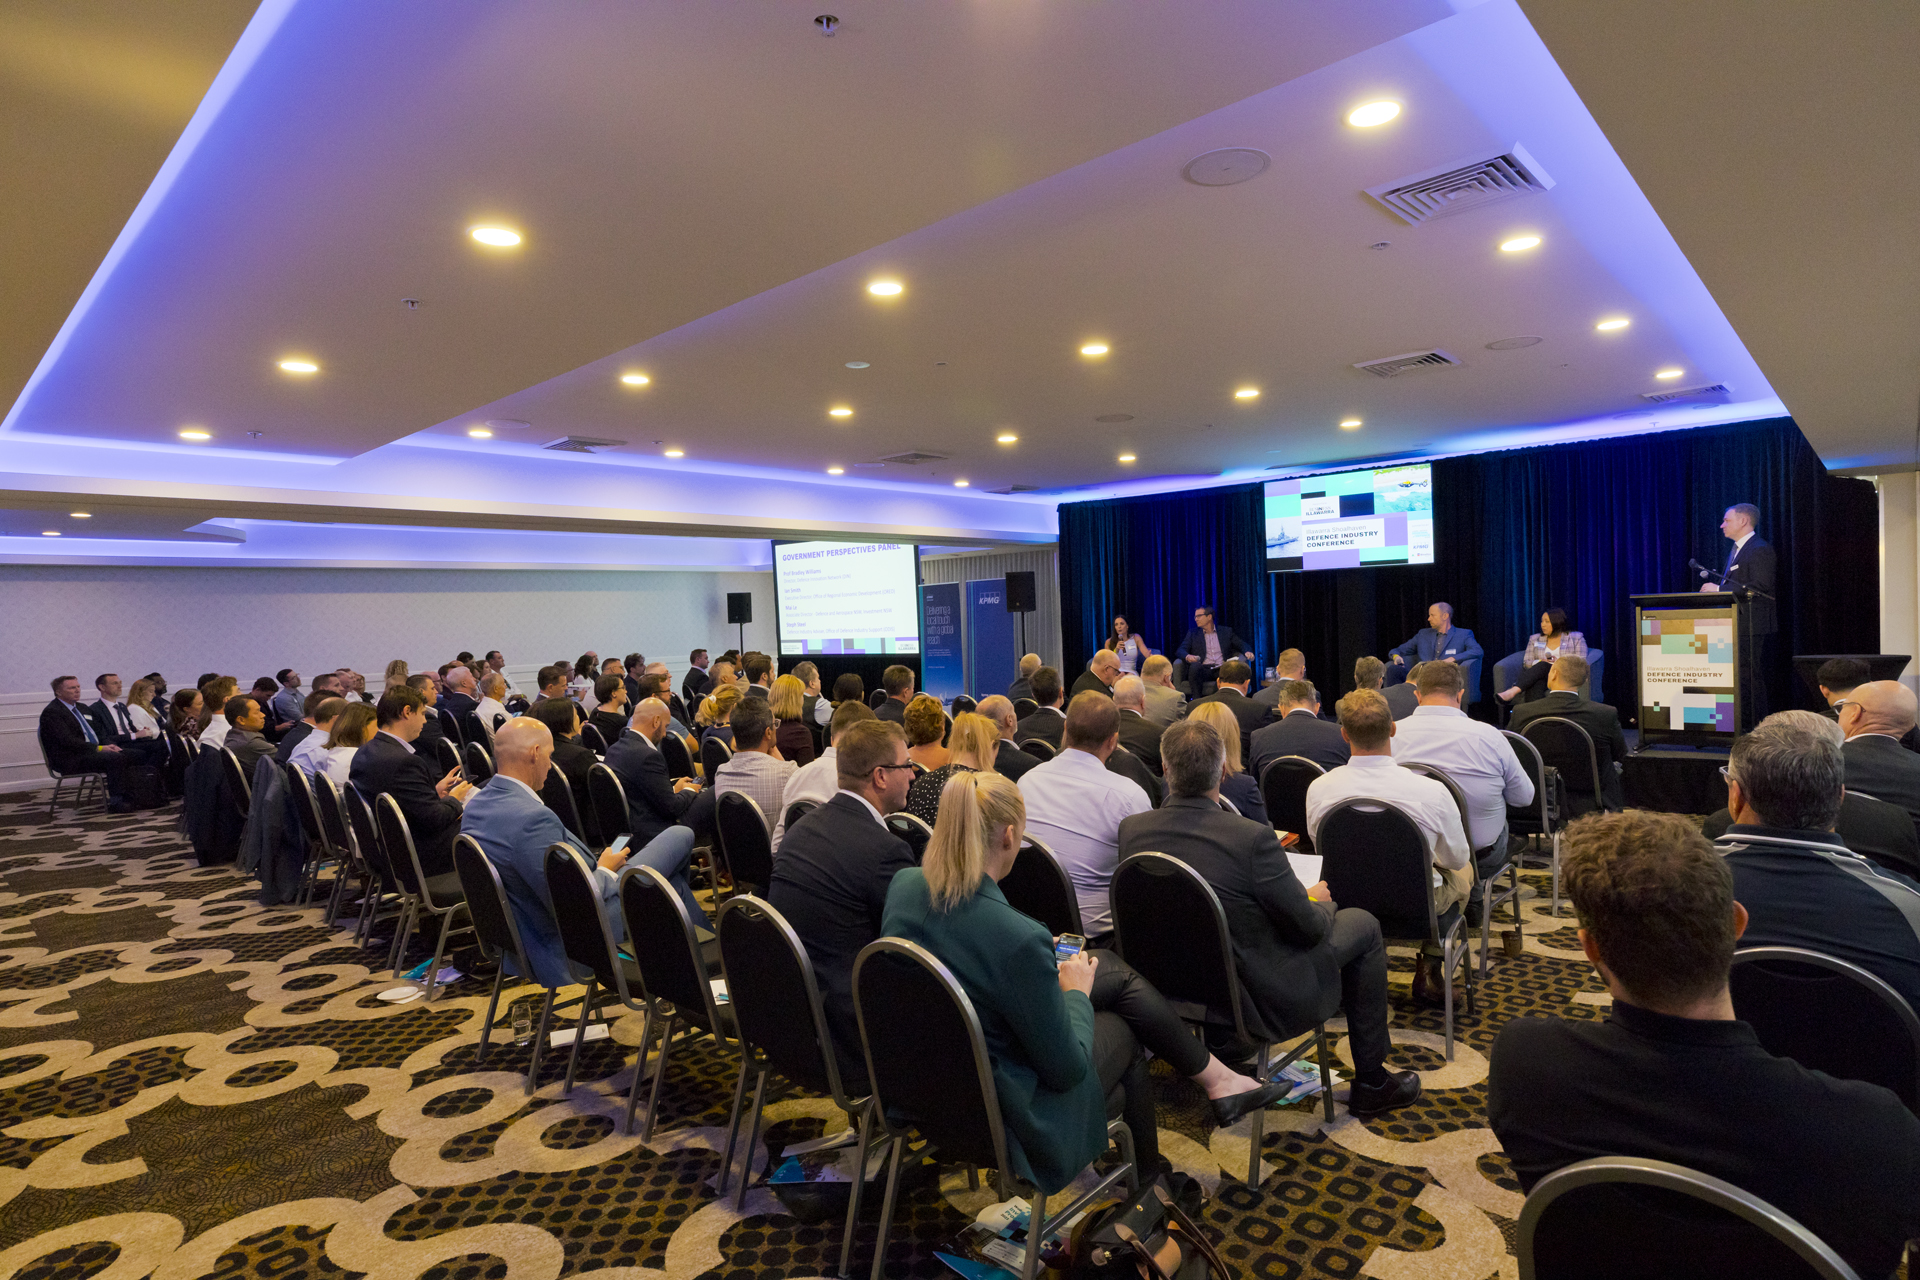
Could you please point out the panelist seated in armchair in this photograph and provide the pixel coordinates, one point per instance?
(1438, 641)
(1206, 648)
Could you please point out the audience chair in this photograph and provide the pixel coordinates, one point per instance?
(1488, 863)
(557, 795)
(178, 758)
(446, 755)
(1829, 1015)
(83, 780)
(798, 810)
(450, 727)
(928, 1064)
(477, 764)
(913, 830)
(239, 789)
(714, 752)
(1038, 887)
(1627, 1216)
(679, 759)
(1283, 788)
(1375, 858)
(962, 705)
(366, 837)
(1169, 925)
(373, 893)
(1569, 748)
(479, 730)
(437, 895)
(499, 939)
(609, 797)
(783, 1027)
(1537, 820)
(321, 852)
(1024, 707)
(1038, 749)
(593, 739)
(588, 942)
(746, 846)
(1131, 767)
(674, 972)
(877, 699)
(1861, 806)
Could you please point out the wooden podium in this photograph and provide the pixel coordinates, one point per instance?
(1688, 652)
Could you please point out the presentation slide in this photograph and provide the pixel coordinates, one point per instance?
(1351, 520)
(847, 597)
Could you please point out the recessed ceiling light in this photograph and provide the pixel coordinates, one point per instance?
(499, 237)
(635, 379)
(885, 288)
(859, 364)
(1519, 243)
(193, 433)
(1247, 393)
(299, 366)
(840, 411)
(959, 484)
(676, 453)
(1127, 457)
(50, 533)
(1349, 423)
(1607, 326)
(1669, 373)
(1373, 113)
(1094, 349)
(81, 515)
(1007, 437)
(836, 471)
(480, 433)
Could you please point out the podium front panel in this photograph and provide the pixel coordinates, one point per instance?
(1688, 665)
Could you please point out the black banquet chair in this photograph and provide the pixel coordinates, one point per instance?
(436, 895)
(588, 942)
(609, 797)
(962, 704)
(1283, 789)
(593, 740)
(714, 752)
(1537, 820)
(913, 830)
(673, 971)
(1038, 749)
(1488, 863)
(1830, 1015)
(798, 810)
(499, 939)
(479, 765)
(745, 843)
(1024, 707)
(239, 790)
(679, 759)
(446, 755)
(1569, 748)
(557, 795)
(1038, 887)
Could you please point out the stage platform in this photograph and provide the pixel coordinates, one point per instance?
(1671, 779)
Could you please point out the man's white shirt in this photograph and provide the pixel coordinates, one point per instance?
(1475, 756)
(1074, 806)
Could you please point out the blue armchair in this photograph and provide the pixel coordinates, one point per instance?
(1507, 670)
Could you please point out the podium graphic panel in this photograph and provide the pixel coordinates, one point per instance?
(1689, 666)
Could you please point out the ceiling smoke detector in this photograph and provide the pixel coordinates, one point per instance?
(582, 444)
(1227, 166)
(1411, 362)
(827, 23)
(1465, 184)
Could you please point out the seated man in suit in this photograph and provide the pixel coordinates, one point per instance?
(1800, 886)
(72, 742)
(309, 751)
(461, 699)
(1672, 1074)
(1299, 732)
(431, 731)
(1235, 679)
(1165, 704)
(897, 680)
(1009, 761)
(1290, 665)
(758, 668)
(1438, 641)
(1050, 721)
(654, 800)
(246, 735)
(1601, 722)
(1099, 676)
(1300, 958)
(114, 723)
(695, 683)
(1207, 647)
(819, 779)
(1875, 717)
(1369, 672)
(831, 874)
(1137, 733)
(303, 728)
(1023, 686)
(388, 764)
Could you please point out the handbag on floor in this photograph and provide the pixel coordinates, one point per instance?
(144, 786)
(1149, 1237)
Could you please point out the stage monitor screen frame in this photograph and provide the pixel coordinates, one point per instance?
(779, 631)
(1298, 490)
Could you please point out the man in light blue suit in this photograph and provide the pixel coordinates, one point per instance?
(514, 829)
(1438, 641)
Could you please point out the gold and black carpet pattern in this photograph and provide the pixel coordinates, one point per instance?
(192, 1084)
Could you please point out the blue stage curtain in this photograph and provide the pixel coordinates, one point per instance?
(1581, 526)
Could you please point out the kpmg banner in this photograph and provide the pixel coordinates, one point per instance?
(943, 671)
(992, 637)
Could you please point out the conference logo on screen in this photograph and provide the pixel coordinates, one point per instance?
(1351, 519)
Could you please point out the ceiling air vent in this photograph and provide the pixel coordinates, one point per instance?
(1687, 393)
(914, 458)
(1412, 362)
(582, 444)
(1463, 185)
(1017, 488)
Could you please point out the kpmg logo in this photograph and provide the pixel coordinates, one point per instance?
(988, 600)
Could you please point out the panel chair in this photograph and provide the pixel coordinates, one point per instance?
(239, 790)
(477, 763)
(366, 838)
(557, 795)
(1039, 749)
(436, 895)
(746, 846)
(1375, 858)
(85, 781)
(1830, 1015)
(1537, 820)
(1569, 748)
(912, 829)
(675, 980)
(928, 1065)
(1038, 887)
(1488, 863)
(1169, 925)
(679, 759)
(1283, 789)
(499, 938)
(1615, 1216)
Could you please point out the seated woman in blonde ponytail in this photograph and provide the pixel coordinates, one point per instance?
(1064, 1033)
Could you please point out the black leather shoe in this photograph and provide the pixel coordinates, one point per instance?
(1400, 1088)
(1229, 1109)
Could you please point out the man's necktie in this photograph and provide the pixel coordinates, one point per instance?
(86, 726)
(126, 721)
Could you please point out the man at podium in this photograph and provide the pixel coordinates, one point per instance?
(1750, 565)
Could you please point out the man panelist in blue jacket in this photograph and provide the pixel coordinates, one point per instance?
(1438, 641)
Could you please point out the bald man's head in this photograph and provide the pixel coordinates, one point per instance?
(1879, 706)
(523, 749)
(1130, 693)
(999, 709)
(650, 718)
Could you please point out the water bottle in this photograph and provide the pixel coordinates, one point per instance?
(522, 1025)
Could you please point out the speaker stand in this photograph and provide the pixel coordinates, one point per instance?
(743, 641)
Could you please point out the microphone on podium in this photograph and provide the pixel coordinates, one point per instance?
(1704, 571)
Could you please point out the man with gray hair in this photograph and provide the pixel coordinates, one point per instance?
(1298, 731)
(1137, 733)
(1009, 761)
(1800, 885)
(1165, 703)
(1023, 687)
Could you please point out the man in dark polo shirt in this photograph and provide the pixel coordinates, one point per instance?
(1672, 1074)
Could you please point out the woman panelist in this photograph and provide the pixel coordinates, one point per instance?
(1553, 640)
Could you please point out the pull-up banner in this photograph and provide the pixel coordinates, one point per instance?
(991, 637)
(943, 669)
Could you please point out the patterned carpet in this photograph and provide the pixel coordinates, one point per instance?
(192, 1084)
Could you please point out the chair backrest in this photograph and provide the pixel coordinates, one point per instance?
(1283, 788)
(1829, 1015)
(1535, 819)
(366, 838)
(926, 1056)
(1024, 707)
(1131, 767)
(493, 922)
(480, 730)
(775, 996)
(397, 839)
(1038, 749)
(962, 704)
(1567, 747)
(876, 698)
(239, 790)
(798, 810)
(714, 752)
(450, 725)
(661, 940)
(912, 829)
(593, 739)
(1625, 1216)
(446, 754)
(1038, 887)
(305, 807)
(609, 802)
(744, 839)
(584, 935)
(1168, 923)
(679, 759)
(332, 811)
(1439, 775)
(557, 795)
(1375, 858)
(479, 764)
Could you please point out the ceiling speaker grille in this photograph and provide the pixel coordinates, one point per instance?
(1463, 185)
(582, 444)
(1686, 393)
(1412, 362)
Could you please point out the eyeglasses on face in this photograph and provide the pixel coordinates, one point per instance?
(908, 766)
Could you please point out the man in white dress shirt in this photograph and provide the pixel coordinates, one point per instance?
(819, 780)
(1075, 804)
(1474, 755)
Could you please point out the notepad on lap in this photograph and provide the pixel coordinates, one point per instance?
(1306, 866)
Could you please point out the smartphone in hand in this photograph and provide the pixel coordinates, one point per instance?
(1068, 945)
(620, 844)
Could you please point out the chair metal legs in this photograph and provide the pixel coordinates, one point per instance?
(580, 1034)
(1259, 1119)
(733, 1123)
(1453, 950)
(860, 1184)
(886, 1206)
(1556, 875)
(540, 1042)
(753, 1136)
(486, 1023)
(446, 927)
(659, 1074)
(1491, 901)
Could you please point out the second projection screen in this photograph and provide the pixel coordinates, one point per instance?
(1351, 519)
(847, 597)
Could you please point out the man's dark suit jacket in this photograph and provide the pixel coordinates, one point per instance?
(431, 731)
(1880, 767)
(1871, 828)
(1048, 724)
(1402, 700)
(291, 739)
(1755, 565)
(1194, 647)
(892, 710)
(1249, 713)
(652, 803)
(1289, 978)
(1021, 688)
(68, 750)
(459, 704)
(1010, 761)
(1602, 724)
(105, 726)
(695, 683)
(830, 879)
(389, 765)
(1088, 682)
(1141, 736)
(1300, 733)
